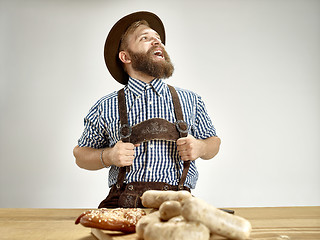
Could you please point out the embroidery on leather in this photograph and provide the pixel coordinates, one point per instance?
(154, 128)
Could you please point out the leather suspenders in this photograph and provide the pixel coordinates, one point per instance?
(151, 129)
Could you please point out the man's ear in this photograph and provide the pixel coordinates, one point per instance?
(124, 57)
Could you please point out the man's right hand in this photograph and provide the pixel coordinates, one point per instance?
(121, 154)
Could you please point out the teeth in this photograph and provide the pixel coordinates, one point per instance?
(158, 53)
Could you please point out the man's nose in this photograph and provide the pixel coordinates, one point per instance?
(156, 41)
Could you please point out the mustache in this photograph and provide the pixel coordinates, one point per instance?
(153, 48)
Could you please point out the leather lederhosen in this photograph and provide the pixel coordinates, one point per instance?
(128, 194)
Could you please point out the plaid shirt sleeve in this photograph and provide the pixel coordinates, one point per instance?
(203, 127)
(93, 134)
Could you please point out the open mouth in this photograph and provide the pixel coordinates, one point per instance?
(158, 53)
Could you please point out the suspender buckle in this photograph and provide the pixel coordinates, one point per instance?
(182, 126)
(125, 131)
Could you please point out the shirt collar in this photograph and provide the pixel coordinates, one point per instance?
(138, 87)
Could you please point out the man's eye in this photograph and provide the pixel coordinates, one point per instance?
(144, 38)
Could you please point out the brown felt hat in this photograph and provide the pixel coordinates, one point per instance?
(111, 47)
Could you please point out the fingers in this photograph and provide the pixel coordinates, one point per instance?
(187, 148)
(126, 154)
(186, 154)
(183, 148)
(123, 154)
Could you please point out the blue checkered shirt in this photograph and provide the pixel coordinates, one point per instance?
(156, 160)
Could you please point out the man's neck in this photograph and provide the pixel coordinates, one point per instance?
(141, 76)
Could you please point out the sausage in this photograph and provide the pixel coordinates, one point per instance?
(177, 219)
(154, 198)
(169, 209)
(218, 221)
(144, 221)
(176, 230)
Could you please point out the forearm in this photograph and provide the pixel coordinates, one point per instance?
(89, 158)
(121, 154)
(210, 147)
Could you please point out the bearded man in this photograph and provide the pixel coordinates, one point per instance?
(149, 133)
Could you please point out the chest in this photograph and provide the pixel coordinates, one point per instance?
(149, 105)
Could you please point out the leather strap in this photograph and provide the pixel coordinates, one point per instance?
(178, 112)
(179, 117)
(122, 107)
(129, 134)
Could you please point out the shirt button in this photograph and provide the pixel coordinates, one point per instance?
(151, 145)
(150, 103)
(149, 169)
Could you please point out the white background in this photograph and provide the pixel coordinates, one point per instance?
(255, 63)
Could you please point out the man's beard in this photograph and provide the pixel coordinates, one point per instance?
(144, 62)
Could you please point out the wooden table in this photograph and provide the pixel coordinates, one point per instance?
(268, 223)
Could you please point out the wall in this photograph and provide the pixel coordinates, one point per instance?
(255, 63)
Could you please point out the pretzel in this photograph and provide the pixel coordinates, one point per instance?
(118, 219)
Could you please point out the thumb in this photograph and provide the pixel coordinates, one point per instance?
(181, 141)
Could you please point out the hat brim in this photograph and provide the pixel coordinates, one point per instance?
(111, 48)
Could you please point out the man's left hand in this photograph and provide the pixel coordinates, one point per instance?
(189, 148)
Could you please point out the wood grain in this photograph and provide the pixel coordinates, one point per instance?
(280, 223)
